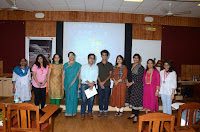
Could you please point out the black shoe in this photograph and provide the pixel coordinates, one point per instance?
(41, 112)
(135, 121)
(130, 117)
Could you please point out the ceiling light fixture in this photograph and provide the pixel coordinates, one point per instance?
(134, 0)
(198, 5)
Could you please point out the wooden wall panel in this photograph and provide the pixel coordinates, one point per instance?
(1, 67)
(140, 32)
(46, 27)
(188, 71)
(77, 16)
(40, 29)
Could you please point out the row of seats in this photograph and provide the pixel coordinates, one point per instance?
(26, 117)
(160, 121)
(18, 118)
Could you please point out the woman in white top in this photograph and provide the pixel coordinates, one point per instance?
(168, 84)
(21, 81)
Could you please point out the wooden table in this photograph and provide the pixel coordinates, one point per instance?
(189, 82)
(49, 110)
(183, 129)
(182, 85)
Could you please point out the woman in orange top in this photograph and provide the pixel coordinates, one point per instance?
(54, 82)
(119, 76)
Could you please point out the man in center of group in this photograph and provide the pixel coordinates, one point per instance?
(105, 72)
(89, 75)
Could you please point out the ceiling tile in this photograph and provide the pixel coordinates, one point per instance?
(4, 4)
(75, 2)
(130, 4)
(125, 10)
(58, 2)
(61, 8)
(142, 10)
(94, 5)
(110, 9)
(146, 7)
(21, 2)
(150, 4)
(116, 3)
(42, 8)
(39, 2)
(77, 8)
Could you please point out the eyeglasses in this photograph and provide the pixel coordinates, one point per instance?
(91, 58)
(166, 65)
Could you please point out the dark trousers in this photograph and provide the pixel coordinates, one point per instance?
(136, 112)
(40, 96)
(103, 94)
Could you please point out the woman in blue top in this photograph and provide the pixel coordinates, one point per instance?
(71, 83)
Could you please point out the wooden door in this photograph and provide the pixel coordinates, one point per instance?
(7, 87)
(1, 87)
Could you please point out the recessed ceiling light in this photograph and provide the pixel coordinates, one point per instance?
(134, 0)
(198, 5)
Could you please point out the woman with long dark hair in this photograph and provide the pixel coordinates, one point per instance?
(54, 81)
(151, 81)
(39, 81)
(168, 85)
(119, 76)
(134, 97)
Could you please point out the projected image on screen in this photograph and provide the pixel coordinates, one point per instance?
(83, 38)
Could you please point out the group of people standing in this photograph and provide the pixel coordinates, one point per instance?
(133, 86)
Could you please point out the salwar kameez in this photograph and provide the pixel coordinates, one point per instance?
(151, 81)
(22, 79)
(119, 91)
(55, 83)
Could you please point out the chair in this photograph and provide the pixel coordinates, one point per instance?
(156, 122)
(3, 110)
(21, 120)
(191, 113)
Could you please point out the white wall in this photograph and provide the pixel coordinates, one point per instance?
(148, 49)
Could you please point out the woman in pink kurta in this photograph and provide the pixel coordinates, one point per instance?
(151, 81)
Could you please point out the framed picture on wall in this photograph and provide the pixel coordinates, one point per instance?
(39, 45)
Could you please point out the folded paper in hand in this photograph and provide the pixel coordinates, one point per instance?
(90, 93)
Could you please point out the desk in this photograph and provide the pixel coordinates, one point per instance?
(49, 110)
(188, 82)
(185, 84)
(183, 129)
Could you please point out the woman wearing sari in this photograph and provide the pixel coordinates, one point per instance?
(71, 83)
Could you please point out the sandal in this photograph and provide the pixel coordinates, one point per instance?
(99, 114)
(105, 114)
(82, 117)
(116, 114)
(120, 114)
